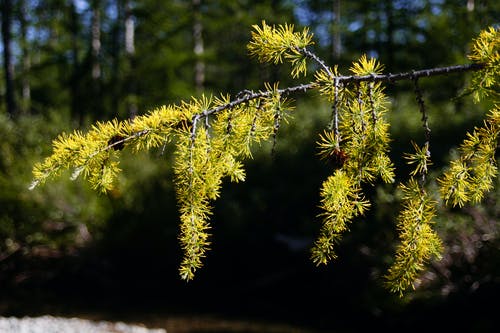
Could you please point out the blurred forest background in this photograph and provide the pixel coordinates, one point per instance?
(65, 249)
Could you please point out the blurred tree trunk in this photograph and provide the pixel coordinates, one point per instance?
(336, 36)
(116, 47)
(130, 54)
(390, 27)
(7, 57)
(96, 40)
(470, 5)
(26, 61)
(96, 105)
(129, 30)
(76, 109)
(198, 48)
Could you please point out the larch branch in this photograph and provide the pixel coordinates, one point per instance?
(247, 95)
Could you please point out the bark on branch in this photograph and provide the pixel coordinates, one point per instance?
(247, 95)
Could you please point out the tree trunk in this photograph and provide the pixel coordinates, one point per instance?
(470, 5)
(96, 105)
(26, 61)
(116, 48)
(198, 48)
(129, 30)
(76, 108)
(130, 54)
(336, 36)
(7, 57)
(96, 40)
(389, 13)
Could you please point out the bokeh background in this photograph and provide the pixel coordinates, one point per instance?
(66, 250)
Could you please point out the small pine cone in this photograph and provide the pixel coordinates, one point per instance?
(117, 142)
(337, 158)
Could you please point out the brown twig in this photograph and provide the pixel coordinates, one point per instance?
(249, 95)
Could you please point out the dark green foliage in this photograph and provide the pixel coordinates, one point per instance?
(53, 219)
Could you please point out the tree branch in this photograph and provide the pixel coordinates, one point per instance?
(411, 75)
(248, 95)
(314, 57)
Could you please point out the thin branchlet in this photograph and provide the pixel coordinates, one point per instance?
(317, 59)
(427, 131)
(334, 123)
(372, 102)
(419, 243)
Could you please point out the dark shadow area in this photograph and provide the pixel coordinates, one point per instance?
(257, 271)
